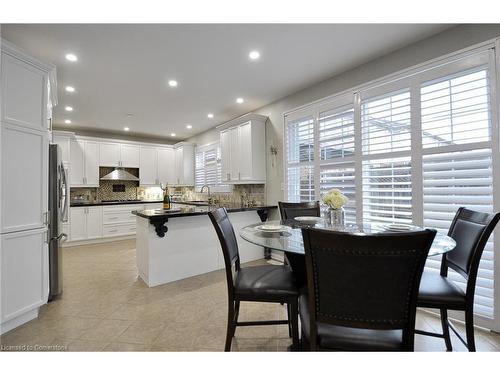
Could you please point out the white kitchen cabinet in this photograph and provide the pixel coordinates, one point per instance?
(129, 156)
(157, 166)
(148, 170)
(166, 167)
(24, 178)
(24, 276)
(109, 154)
(91, 163)
(184, 164)
(78, 223)
(225, 149)
(243, 150)
(84, 169)
(63, 141)
(27, 91)
(118, 155)
(85, 223)
(23, 93)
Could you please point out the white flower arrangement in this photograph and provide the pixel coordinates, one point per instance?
(335, 199)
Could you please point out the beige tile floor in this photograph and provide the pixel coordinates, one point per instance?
(105, 307)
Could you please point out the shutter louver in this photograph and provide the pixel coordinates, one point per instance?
(386, 123)
(386, 128)
(387, 191)
(300, 152)
(455, 110)
(336, 143)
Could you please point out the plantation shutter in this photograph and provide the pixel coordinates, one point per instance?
(336, 144)
(300, 159)
(457, 163)
(386, 179)
(208, 169)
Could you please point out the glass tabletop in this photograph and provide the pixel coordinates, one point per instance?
(289, 239)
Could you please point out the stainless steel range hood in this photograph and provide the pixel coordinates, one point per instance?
(120, 174)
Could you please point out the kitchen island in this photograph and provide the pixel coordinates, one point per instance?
(181, 242)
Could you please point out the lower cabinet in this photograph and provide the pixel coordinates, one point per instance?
(88, 223)
(24, 276)
(85, 223)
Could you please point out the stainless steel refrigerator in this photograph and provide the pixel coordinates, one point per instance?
(58, 214)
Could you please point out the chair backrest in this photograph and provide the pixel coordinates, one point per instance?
(365, 281)
(471, 231)
(290, 210)
(228, 242)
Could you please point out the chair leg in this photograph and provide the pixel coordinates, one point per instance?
(231, 325)
(236, 314)
(446, 329)
(288, 314)
(294, 319)
(469, 330)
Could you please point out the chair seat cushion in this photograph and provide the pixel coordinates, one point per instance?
(265, 281)
(437, 291)
(332, 337)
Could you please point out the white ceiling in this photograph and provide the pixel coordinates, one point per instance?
(124, 69)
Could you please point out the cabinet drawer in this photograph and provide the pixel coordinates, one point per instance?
(118, 217)
(110, 230)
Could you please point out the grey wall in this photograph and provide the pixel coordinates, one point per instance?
(441, 44)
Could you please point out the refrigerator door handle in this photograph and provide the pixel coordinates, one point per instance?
(64, 196)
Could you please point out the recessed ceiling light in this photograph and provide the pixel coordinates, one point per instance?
(67, 122)
(172, 83)
(189, 126)
(130, 114)
(210, 115)
(254, 55)
(68, 108)
(126, 129)
(172, 134)
(239, 100)
(71, 57)
(70, 89)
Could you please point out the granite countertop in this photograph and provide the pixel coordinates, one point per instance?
(87, 204)
(190, 210)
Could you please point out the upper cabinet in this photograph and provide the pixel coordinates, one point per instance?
(166, 170)
(243, 150)
(119, 155)
(167, 165)
(184, 164)
(148, 170)
(84, 167)
(29, 89)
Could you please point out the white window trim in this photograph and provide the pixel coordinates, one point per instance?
(458, 59)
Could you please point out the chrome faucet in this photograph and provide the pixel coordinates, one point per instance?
(208, 189)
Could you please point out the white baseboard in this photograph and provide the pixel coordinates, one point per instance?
(97, 241)
(18, 320)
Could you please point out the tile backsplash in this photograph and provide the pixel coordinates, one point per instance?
(246, 195)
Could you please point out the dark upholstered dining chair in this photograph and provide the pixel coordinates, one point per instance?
(362, 289)
(289, 210)
(265, 283)
(470, 230)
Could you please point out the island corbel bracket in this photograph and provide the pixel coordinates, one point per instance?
(263, 214)
(159, 224)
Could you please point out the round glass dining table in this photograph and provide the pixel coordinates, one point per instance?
(289, 240)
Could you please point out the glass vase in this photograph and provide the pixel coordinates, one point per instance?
(337, 217)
